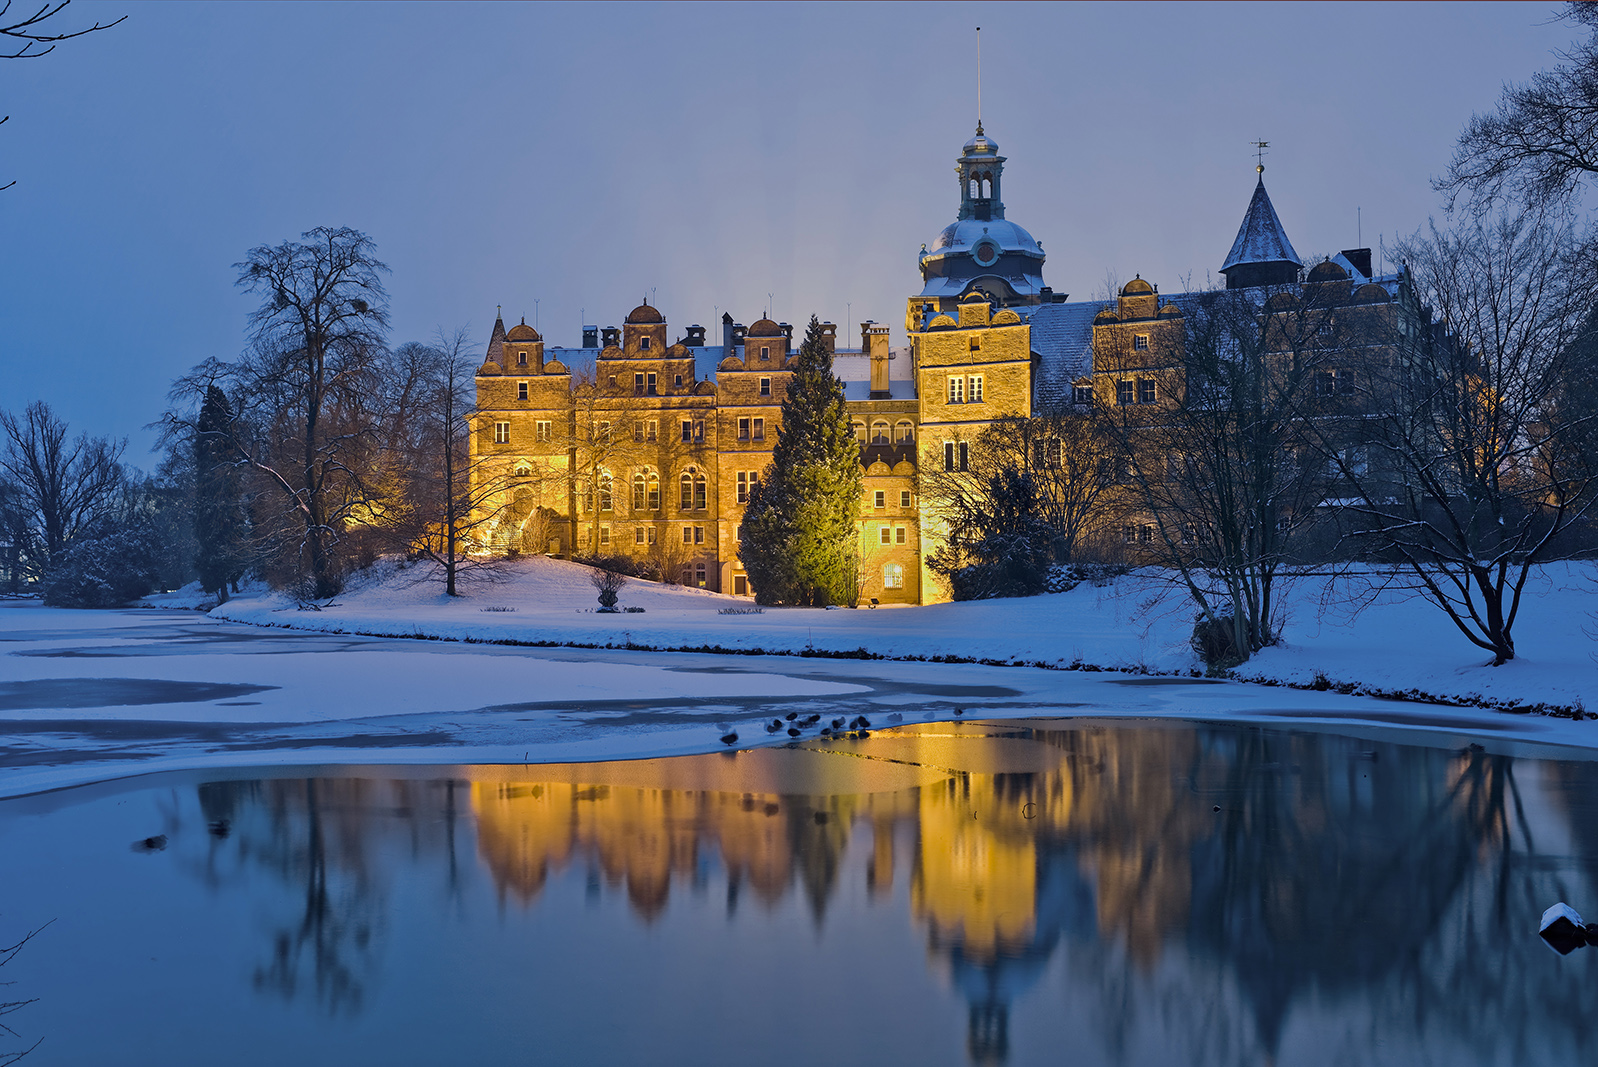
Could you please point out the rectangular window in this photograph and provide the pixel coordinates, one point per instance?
(885, 535)
(893, 576)
(699, 575)
(688, 431)
(1125, 391)
(643, 344)
(760, 429)
(975, 391)
(612, 381)
(638, 384)
(638, 536)
(743, 488)
(603, 435)
(899, 534)
(1140, 342)
(649, 382)
(765, 353)
(765, 387)
(1146, 534)
(543, 430)
(976, 344)
(650, 535)
(521, 357)
(881, 499)
(687, 535)
(604, 535)
(956, 390)
(699, 430)
(638, 430)
(743, 429)
(502, 433)
(965, 456)
(1129, 534)
(699, 535)
(904, 498)
(948, 455)
(1145, 390)
(521, 390)
(740, 585)
(1082, 394)
(651, 430)
(699, 494)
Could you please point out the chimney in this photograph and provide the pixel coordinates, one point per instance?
(787, 331)
(1360, 258)
(611, 337)
(696, 336)
(590, 336)
(726, 335)
(874, 345)
(829, 337)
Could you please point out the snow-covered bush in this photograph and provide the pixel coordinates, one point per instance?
(106, 568)
(1215, 642)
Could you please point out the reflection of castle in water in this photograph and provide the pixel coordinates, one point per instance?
(1240, 846)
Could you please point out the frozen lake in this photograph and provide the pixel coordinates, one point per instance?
(1024, 891)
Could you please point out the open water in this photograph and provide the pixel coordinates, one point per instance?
(979, 893)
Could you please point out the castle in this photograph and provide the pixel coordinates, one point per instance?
(653, 451)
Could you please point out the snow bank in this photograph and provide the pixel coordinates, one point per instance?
(1395, 643)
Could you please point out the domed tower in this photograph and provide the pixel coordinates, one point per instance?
(981, 251)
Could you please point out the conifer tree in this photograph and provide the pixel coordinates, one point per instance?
(799, 543)
(219, 528)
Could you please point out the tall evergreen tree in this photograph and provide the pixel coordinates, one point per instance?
(799, 543)
(219, 527)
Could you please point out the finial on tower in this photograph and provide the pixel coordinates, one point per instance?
(979, 81)
(1259, 155)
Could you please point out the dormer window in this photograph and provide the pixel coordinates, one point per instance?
(521, 357)
(765, 352)
(643, 344)
(1140, 342)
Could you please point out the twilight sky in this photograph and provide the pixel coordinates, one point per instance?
(586, 156)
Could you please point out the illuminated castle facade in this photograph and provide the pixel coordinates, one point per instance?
(639, 444)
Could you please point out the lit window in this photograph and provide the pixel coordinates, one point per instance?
(976, 344)
(544, 430)
(879, 433)
(885, 536)
(638, 497)
(765, 387)
(1145, 390)
(502, 433)
(524, 470)
(904, 433)
(760, 429)
(607, 498)
(881, 499)
(860, 432)
(603, 435)
(904, 498)
(654, 491)
(699, 575)
(956, 390)
(1125, 391)
(976, 389)
(1146, 533)
(521, 390)
(893, 576)
(1140, 342)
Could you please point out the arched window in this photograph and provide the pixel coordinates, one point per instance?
(524, 469)
(893, 576)
(607, 496)
(975, 188)
(879, 432)
(686, 484)
(904, 433)
(700, 488)
(653, 481)
(860, 431)
(638, 491)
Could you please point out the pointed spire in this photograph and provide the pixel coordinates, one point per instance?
(496, 340)
(1261, 243)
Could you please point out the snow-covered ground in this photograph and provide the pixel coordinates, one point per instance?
(1398, 643)
(395, 672)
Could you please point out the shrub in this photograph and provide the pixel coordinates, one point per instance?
(104, 568)
(609, 583)
(1214, 641)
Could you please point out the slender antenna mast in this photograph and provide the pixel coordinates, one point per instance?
(979, 77)
(1359, 226)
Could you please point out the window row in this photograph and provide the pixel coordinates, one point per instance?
(892, 535)
(1139, 391)
(879, 499)
(902, 433)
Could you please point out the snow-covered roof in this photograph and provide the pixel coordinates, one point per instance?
(853, 368)
(1261, 238)
(1062, 336)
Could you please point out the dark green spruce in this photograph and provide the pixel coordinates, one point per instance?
(798, 536)
(219, 525)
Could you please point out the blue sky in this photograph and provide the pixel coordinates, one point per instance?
(582, 157)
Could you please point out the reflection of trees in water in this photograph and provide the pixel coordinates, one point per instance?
(318, 837)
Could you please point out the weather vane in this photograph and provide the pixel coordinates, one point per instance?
(1259, 155)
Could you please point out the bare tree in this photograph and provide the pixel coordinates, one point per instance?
(62, 485)
(1542, 141)
(1479, 466)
